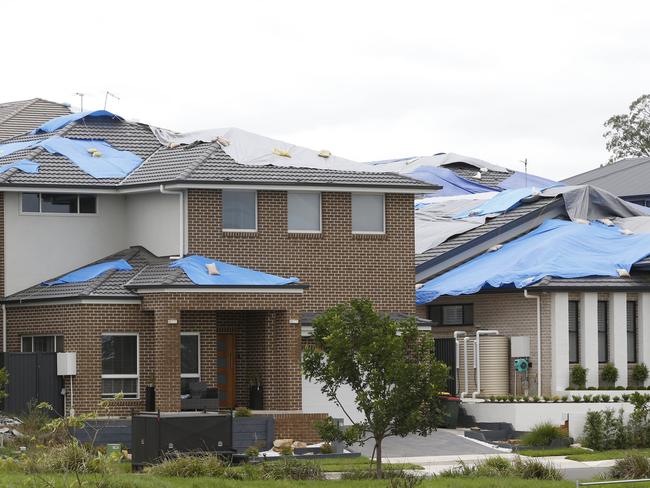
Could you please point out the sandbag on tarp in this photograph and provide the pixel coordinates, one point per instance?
(451, 183)
(557, 248)
(90, 272)
(523, 180)
(195, 268)
(24, 165)
(499, 203)
(59, 122)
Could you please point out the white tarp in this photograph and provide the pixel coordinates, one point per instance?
(408, 165)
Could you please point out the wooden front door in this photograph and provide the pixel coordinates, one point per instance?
(226, 370)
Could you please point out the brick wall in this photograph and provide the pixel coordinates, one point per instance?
(336, 264)
(297, 426)
(2, 247)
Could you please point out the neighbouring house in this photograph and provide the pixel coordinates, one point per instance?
(19, 117)
(542, 267)
(627, 178)
(167, 260)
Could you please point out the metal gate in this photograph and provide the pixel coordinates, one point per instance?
(32, 379)
(446, 352)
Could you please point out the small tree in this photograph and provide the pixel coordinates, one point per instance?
(390, 367)
(578, 377)
(609, 374)
(640, 373)
(4, 380)
(628, 135)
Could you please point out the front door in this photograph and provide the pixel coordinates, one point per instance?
(226, 370)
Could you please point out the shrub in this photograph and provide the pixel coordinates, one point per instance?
(543, 434)
(510, 398)
(252, 451)
(616, 399)
(533, 469)
(290, 469)
(609, 374)
(625, 397)
(576, 398)
(498, 467)
(586, 398)
(565, 398)
(578, 377)
(640, 373)
(595, 398)
(547, 398)
(404, 480)
(632, 466)
(604, 398)
(243, 412)
(189, 467)
(326, 448)
(592, 388)
(492, 398)
(594, 431)
(535, 398)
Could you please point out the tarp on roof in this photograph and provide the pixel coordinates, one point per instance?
(90, 272)
(404, 165)
(451, 183)
(195, 268)
(24, 165)
(523, 180)
(12, 147)
(557, 248)
(63, 120)
(499, 203)
(590, 203)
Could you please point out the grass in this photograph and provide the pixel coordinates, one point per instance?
(361, 462)
(603, 455)
(144, 481)
(562, 451)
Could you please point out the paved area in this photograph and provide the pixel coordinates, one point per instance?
(443, 442)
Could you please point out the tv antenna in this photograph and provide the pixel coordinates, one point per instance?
(525, 161)
(81, 97)
(106, 97)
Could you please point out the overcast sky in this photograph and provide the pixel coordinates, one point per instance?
(501, 81)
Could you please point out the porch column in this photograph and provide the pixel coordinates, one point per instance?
(589, 336)
(618, 334)
(559, 341)
(284, 373)
(167, 359)
(643, 328)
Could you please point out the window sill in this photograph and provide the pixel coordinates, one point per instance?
(304, 235)
(239, 233)
(370, 236)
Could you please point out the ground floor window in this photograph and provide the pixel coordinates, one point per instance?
(462, 314)
(190, 360)
(51, 343)
(120, 365)
(632, 316)
(574, 332)
(603, 331)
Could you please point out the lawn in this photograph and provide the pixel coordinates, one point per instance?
(602, 455)
(355, 463)
(564, 451)
(145, 481)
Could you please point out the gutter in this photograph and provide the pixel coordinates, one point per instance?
(539, 340)
(181, 218)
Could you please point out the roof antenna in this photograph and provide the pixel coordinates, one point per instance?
(106, 97)
(81, 97)
(525, 161)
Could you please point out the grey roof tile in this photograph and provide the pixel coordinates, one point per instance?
(19, 117)
(636, 280)
(488, 178)
(623, 178)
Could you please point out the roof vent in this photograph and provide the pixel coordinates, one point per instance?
(325, 153)
(281, 152)
(212, 269)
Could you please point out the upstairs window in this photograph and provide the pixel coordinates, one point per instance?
(42, 344)
(239, 210)
(303, 211)
(58, 203)
(442, 315)
(574, 331)
(367, 213)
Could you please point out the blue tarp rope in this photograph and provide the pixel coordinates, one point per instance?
(557, 248)
(59, 122)
(196, 271)
(90, 272)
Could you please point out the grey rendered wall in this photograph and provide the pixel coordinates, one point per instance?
(152, 222)
(39, 247)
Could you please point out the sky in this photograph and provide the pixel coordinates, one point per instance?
(367, 80)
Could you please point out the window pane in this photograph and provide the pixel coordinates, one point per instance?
(602, 316)
(603, 353)
(59, 344)
(602, 347)
(573, 347)
(44, 344)
(574, 321)
(112, 386)
(468, 314)
(30, 202)
(303, 210)
(119, 354)
(58, 203)
(239, 210)
(367, 213)
(631, 331)
(435, 314)
(27, 344)
(189, 354)
(185, 385)
(87, 204)
(452, 315)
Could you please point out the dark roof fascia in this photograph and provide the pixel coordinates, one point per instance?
(202, 287)
(75, 298)
(477, 246)
(420, 188)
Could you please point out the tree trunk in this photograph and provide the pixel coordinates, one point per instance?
(378, 465)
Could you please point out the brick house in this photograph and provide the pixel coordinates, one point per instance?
(342, 234)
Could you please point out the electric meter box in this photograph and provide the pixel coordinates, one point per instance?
(520, 347)
(66, 363)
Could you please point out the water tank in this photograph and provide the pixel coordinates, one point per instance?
(495, 360)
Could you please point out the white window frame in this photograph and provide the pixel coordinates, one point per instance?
(226, 229)
(111, 396)
(320, 214)
(370, 232)
(59, 214)
(193, 375)
(40, 335)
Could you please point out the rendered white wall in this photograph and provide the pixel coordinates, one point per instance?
(589, 336)
(40, 247)
(152, 221)
(314, 401)
(644, 328)
(618, 334)
(560, 340)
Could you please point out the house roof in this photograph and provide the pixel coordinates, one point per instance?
(637, 280)
(21, 116)
(200, 163)
(623, 178)
(488, 178)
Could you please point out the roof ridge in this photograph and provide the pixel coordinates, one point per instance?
(209, 152)
(31, 101)
(100, 280)
(645, 160)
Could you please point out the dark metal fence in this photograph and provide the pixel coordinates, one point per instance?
(446, 352)
(32, 379)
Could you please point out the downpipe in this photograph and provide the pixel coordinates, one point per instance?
(457, 334)
(181, 218)
(465, 366)
(477, 348)
(539, 340)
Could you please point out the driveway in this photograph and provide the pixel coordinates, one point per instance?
(442, 442)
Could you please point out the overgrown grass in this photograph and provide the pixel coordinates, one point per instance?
(634, 466)
(500, 467)
(543, 434)
(352, 463)
(604, 455)
(563, 451)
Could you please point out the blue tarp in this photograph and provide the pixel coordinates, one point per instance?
(499, 203)
(521, 180)
(557, 248)
(451, 183)
(90, 272)
(23, 165)
(12, 147)
(58, 122)
(195, 269)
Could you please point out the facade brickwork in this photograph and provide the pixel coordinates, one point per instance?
(298, 426)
